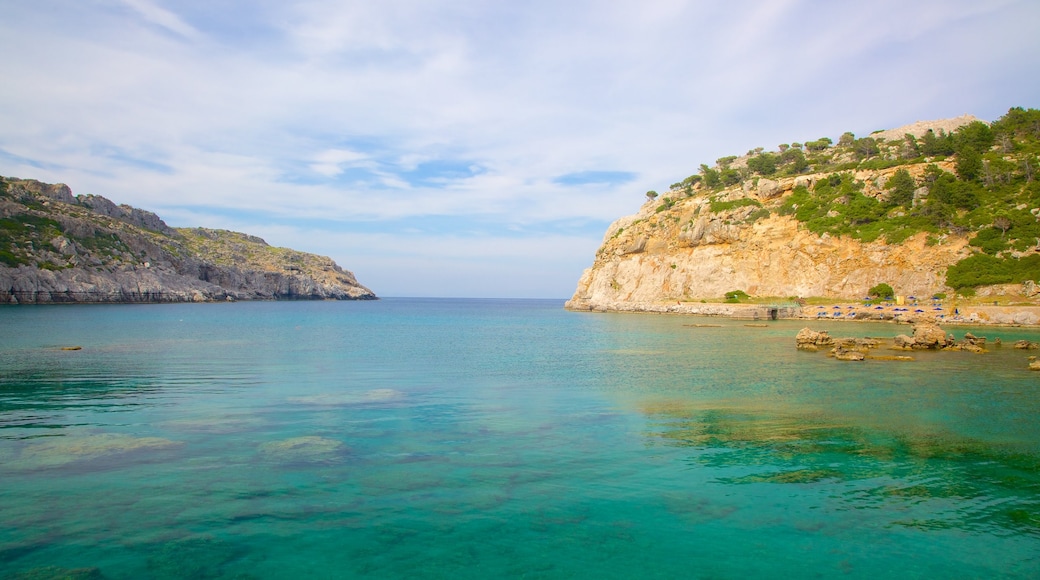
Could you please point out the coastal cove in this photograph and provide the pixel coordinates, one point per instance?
(491, 438)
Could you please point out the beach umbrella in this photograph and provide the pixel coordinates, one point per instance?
(918, 310)
(879, 308)
(837, 307)
(937, 308)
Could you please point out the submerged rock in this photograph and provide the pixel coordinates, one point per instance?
(849, 355)
(308, 448)
(196, 557)
(59, 451)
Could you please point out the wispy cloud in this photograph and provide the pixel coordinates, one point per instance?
(161, 17)
(400, 124)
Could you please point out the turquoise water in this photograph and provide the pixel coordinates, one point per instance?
(489, 438)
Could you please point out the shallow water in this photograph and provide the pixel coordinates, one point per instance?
(489, 438)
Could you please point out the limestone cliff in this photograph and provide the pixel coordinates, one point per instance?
(696, 243)
(56, 247)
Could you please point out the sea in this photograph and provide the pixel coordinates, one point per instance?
(460, 438)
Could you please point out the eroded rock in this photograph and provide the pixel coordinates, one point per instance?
(809, 339)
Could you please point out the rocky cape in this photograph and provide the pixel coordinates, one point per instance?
(690, 252)
(684, 251)
(56, 247)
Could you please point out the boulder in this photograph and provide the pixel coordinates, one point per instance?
(809, 339)
(971, 343)
(904, 342)
(845, 354)
(768, 189)
(1026, 345)
(929, 335)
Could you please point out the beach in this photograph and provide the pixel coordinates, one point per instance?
(940, 312)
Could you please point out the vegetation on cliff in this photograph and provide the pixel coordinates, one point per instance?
(978, 180)
(56, 247)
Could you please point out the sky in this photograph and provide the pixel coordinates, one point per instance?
(468, 148)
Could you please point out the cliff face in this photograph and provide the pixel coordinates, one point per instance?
(689, 252)
(56, 247)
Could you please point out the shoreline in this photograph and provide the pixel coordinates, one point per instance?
(852, 311)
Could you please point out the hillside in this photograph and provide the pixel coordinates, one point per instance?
(56, 247)
(933, 208)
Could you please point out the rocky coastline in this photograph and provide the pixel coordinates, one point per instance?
(60, 248)
(962, 314)
(829, 222)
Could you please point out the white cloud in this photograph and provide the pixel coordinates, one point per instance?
(349, 112)
(161, 17)
(332, 162)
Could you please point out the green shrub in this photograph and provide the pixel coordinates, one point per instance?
(990, 241)
(882, 290)
(735, 296)
(10, 259)
(757, 215)
(984, 270)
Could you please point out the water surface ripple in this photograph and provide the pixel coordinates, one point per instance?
(496, 438)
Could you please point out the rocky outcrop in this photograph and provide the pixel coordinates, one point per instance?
(809, 339)
(55, 247)
(825, 227)
(662, 259)
(925, 336)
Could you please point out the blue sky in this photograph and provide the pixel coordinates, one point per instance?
(466, 148)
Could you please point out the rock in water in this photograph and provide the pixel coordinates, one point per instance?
(809, 339)
(930, 336)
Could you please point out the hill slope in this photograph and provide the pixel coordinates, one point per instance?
(927, 212)
(56, 247)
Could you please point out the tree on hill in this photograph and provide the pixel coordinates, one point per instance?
(763, 164)
(1019, 122)
(910, 148)
(865, 147)
(969, 164)
(1003, 223)
(901, 186)
(941, 144)
(711, 176)
(796, 159)
(976, 135)
(819, 144)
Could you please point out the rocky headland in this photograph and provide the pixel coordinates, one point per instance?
(920, 209)
(57, 247)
